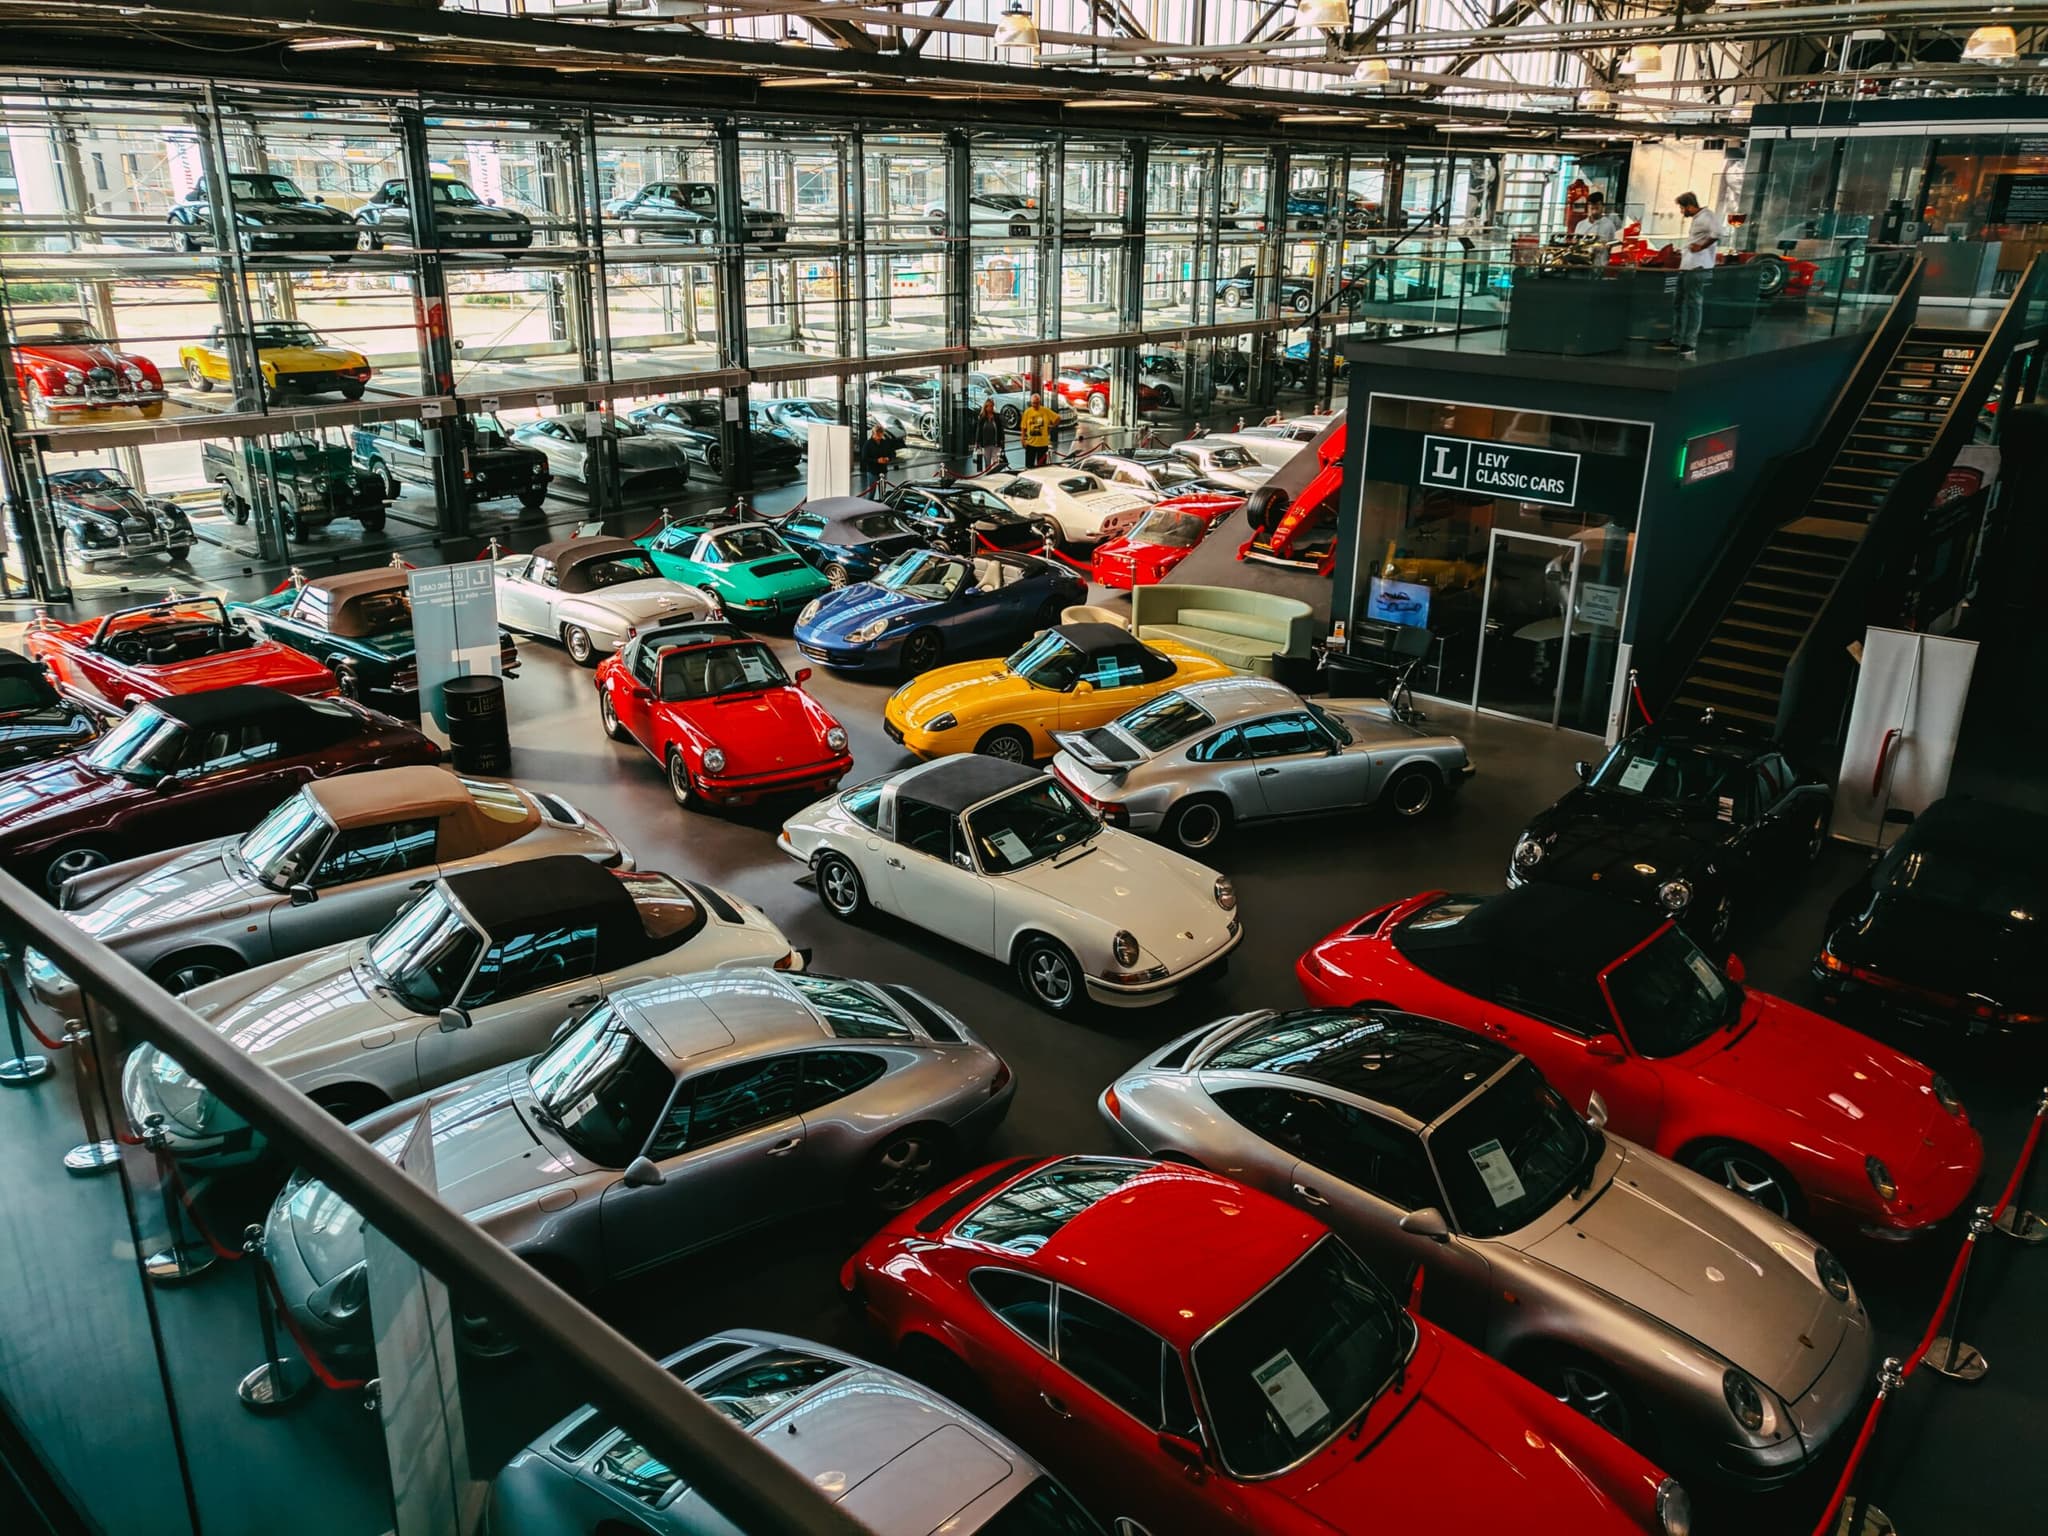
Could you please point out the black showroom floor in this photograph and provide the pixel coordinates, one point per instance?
(74, 1349)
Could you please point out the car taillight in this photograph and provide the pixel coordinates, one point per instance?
(1110, 1103)
(1001, 1080)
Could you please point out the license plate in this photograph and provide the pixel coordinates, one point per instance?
(889, 730)
(140, 538)
(508, 236)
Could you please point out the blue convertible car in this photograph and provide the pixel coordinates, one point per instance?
(928, 606)
(849, 538)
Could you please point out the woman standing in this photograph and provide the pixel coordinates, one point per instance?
(988, 438)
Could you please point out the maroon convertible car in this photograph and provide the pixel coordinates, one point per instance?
(181, 770)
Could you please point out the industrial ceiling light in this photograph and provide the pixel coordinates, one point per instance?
(1992, 45)
(1867, 35)
(1599, 101)
(1015, 28)
(1644, 59)
(1330, 15)
(336, 44)
(1371, 70)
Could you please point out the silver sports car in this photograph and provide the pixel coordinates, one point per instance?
(673, 1115)
(895, 1455)
(1189, 765)
(335, 861)
(1663, 1306)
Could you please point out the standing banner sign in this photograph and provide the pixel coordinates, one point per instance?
(829, 452)
(454, 627)
(1902, 728)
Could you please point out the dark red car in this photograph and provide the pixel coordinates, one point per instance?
(1207, 1361)
(1162, 538)
(65, 365)
(36, 721)
(1087, 389)
(717, 711)
(1778, 1103)
(183, 770)
(183, 645)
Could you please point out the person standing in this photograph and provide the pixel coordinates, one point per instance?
(1696, 259)
(988, 438)
(1598, 224)
(1035, 430)
(877, 455)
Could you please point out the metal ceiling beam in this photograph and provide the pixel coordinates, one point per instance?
(1510, 13)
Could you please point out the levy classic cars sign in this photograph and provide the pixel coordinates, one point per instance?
(1500, 469)
(1708, 455)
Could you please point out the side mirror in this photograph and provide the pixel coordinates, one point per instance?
(1428, 1222)
(166, 782)
(1606, 1048)
(1187, 1452)
(1583, 769)
(1736, 970)
(320, 200)
(302, 894)
(453, 1019)
(963, 860)
(1084, 686)
(803, 675)
(641, 1173)
(1596, 1112)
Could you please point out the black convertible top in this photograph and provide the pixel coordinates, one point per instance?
(1538, 949)
(1095, 639)
(839, 513)
(229, 706)
(954, 783)
(562, 891)
(14, 661)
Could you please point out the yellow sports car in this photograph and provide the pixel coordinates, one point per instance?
(294, 357)
(1066, 678)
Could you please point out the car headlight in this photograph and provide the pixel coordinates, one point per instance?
(1226, 894)
(810, 611)
(1124, 948)
(714, 760)
(131, 373)
(945, 722)
(835, 740)
(1881, 1178)
(40, 968)
(872, 630)
(1745, 1401)
(1944, 1095)
(1675, 894)
(180, 1095)
(342, 1297)
(1674, 1509)
(1832, 1275)
(1528, 853)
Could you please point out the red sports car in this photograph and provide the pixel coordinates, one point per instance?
(1776, 1102)
(1207, 1361)
(1163, 538)
(717, 711)
(181, 645)
(1087, 389)
(65, 365)
(182, 770)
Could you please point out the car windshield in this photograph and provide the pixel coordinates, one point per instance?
(1670, 996)
(973, 500)
(425, 954)
(709, 670)
(282, 848)
(457, 193)
(1080, 485)
(67, 330)
(1047, 660)
(1043, 1509)
(1039, 821)
(284, 333)
(144, 746)
(375, 613)
(1670, 773)
(917, 389)
(1512, 1153)
(266, 189)
(600, 1089)
(1171, 472)
(1304, 1358)
(807, 410)
(620, 426)
(609, 571)
(95, 479)
(1008, 383)
(1227, 457)
(1330, 722)
(1173, 530)
(924, 574)
(1165, 721)
(749, 544)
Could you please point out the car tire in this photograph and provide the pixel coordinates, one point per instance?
(1050, 534)
(836, 574)
(609, 717)
(680, 787)
(66, 862)
(1010, 417)
(368, 240)
(840, 888)
(1006, 743)
(1198, 824)
(581, 648)
(908, 1165)
(1098, 404)
(178, 552)
(1749, 1173)
(236, 509)
(373, 522)
(188, 242)
(1412, 793)
(1302, 301)
(346, 682)
(353, 390)
(197, 378)
(1165, 398)
(1772, 276)
(195, 968)
(1051, 976)
(1594, 1390)
(1231, 298)
(922, 651)
(349, 1102)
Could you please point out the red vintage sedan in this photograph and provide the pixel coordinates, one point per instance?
(182, 770)
(717, 711)
(181, 645)
(65, 365)
(1204, 1360)
(1805, 1117)
(1162, 538)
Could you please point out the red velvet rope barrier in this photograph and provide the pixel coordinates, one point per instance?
(169, 1167)
(314, 1363)
(1637, 694)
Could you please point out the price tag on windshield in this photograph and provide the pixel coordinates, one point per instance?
(1498, 1173)
(754, 667)
(1012, 847)
(580, 1108)
(1291, 1394)
(1638, 773)
(1710, 978)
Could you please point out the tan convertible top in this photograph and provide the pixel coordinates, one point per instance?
(475, 815)
(348, 598)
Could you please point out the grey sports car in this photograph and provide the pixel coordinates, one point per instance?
(334, 861)
(1189, 765)
(1666, 1308)
(671, 1116)
(894, 1455)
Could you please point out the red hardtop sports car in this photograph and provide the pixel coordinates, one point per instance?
(1207, 1361)
(1162, 538)
(1773, 1100)
(65, 365)
(715, 709)
(181, 645)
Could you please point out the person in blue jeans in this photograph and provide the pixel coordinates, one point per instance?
(1696, 259)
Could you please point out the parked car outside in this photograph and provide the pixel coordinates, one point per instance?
(929, 605)
(180, 646)
(593, 594)
(64, 365)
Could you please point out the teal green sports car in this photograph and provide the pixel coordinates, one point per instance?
(754, 573)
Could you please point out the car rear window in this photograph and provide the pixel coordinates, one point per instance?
(849, 1009)
(935, 1023)
(1165, 721)
(1025, 1217)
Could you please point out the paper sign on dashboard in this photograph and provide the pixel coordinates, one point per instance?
(1638, 773)
(1502, 1182)
(1291, 1394)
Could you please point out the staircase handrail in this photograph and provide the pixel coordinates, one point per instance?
(1788, 482)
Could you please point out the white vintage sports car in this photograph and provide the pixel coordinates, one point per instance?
(592, 595)
(1226, 463)
(1070, 505)
(483, 969)
(1008, 861)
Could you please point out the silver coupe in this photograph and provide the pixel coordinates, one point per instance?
(1669, 1310)
(592, 594)
(671, 1116)
(1189, 765)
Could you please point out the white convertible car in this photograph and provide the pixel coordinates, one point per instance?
(1071, 505)
(592, 595)
(1008, 861)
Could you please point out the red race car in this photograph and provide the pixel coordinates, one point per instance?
(1163, 538)
(1207, 1361)
(1777, 1102)
(181, 645)
(65, 365)
(717, 711)
(182, 770)
(1783, 276)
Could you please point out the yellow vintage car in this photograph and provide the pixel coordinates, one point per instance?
(1067, 678)
(294, 357)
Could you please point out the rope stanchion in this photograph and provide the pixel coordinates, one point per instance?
(277, 1383)
(1834, 1521)
(20, 1069)
(321, 1372)
(97, 1153)
(178, 1260)
(1635, 692)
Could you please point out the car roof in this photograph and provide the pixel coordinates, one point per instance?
(566, 889)
(225, 706)
(1421, 1068)
(1966, 826)
(1097, 639)
(838, 509)
(14, 661)
(968, 778)
(1552, 925)
(576, 551)
(736, 1012)
(1232, 698)
(469, 823)
(347, 584)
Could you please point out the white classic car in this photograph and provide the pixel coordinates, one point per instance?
(1008, 861)
(484, 968)
(592, 595)
(1226, 463)
(1067, 504)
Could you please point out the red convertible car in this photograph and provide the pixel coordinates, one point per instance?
(1202, 1359)
(65, 365)
(181, 645)
(1607, 997)
(1163, 538)
(182, 770)
(717, 711)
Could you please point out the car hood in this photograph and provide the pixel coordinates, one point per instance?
(776, 575)
(209, 883)
(850, 607)
(269, 664)
(1654, 1238)
(292, 213)
(91, 355)
(762, 732)
(115, 506)
(1167, 901)
(282, 1010)
(310, 359)
(35, 734)
(1590, 837)
(1106, 503)
(641, 602)
(448, 215)
(38, 795)
(966, 688)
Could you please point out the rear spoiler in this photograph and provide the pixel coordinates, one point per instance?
(1083, 751)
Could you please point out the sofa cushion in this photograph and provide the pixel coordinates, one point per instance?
(1255, 626)
(1244, 653)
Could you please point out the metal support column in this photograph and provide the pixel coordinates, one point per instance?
(736, 441)
(1123, 369)
(954, 437)
(855, 284)
(1208, 272)
(1265, 361)
(437, 353)
(1052, 271)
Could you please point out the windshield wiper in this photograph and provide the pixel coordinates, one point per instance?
(547, 1119)
(1596, 1144)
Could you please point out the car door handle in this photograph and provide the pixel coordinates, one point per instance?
(1058, 1407)
(1267, 773)
(1309, 1196)
(893, 863)
(784, 1147)
(419, 885)
(585, 1002)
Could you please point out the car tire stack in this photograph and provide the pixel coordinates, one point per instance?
(479, 739)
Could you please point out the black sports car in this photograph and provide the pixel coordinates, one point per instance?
(103, 517)
(267, 213)
(962, 519)
(1685, 818)
(36, 721)
(1945, 928)
(462, 220)
(651, 471)
(698, 425)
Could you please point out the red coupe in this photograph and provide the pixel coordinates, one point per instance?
(1163, 538)
(181, 645)
(182, 770)
(65, 365)
(1087, 389)
(1776, 1102)
(1205, 1360)
(717, 711)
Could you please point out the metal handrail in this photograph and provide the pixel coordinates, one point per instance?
(744, 1482)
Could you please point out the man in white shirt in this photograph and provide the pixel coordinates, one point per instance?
(1696, 259)
(1598, 224)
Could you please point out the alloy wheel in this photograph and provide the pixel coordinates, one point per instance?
(904, 1171)
(72, 863)
(1006, 745)
(839, 885)
(1050, 975)
(1751, 1180)
(836, 574)
(1585, 1391)
(921, 651)
(193, 973)
(679, 780)
(1413, 793)
(577, 643)
(1198, 826)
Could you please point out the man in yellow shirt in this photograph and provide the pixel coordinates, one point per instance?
(1035, 431)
